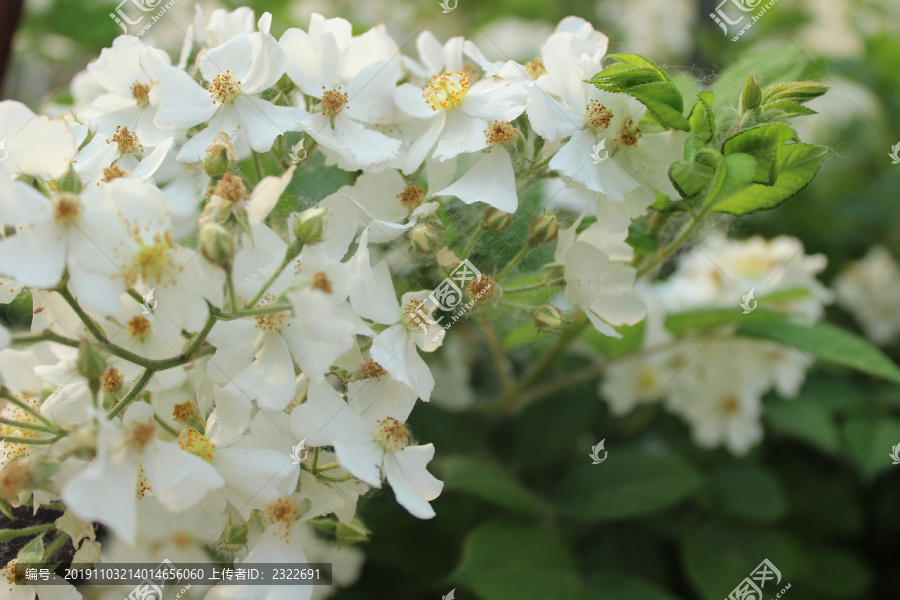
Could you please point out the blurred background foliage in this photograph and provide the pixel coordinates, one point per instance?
(524, 514)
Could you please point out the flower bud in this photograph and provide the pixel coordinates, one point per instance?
(217, 244)
(495, 220)
(220, 155)
(90, 363)
(547, 318)
(424, 238)
(309, 226)
(543, 229)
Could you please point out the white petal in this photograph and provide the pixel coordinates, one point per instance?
(413, 485)
(492, 181)
(35, 256)
(361, 459)
(325, 418)
(396, 352)
(182, 103)
(270, 377)
(236, 342)
(495, 100)
(462, 133)
(253, 476)
(266, 194)
(235, 55)
(178, 479)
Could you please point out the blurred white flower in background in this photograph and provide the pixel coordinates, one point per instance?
(870, 290)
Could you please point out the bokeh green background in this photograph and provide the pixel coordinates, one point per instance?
(516, 521)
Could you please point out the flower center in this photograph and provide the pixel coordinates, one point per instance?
(629, 134)
(647, 382)
(153, 261)
(231, 188)
(138, 327)
(127, 140)
(333, 101)
(196, 443)
(224, 88)
(113, 172)
(372, 369)
(481, 288)
(68, 209)
(411, 197)
(535, 69)
(598, 116)
(141, 93)
(500, 132)
(414, 316)
(731, 405)
(140, 433)
(184, 413)
(391, 434)
(271, 322)
(446, 91)
(281, 513)
(321, 282)
(112, 379)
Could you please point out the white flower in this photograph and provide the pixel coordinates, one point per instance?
(34, 144)
(870, 290)
(131, 460)
(237, 71)
(371, 440)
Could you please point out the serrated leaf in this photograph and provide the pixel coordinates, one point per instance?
(732, 173)
(826, 342)
(489, 482)
(688, 175)
(643, 79)
(628, 484)
(748, 492)
(797, 91)
(761, 142)
(702, 118)
(513, 561)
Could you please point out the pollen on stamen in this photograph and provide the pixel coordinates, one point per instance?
(138, 434)
(446, 91)
(67, 208)
(154, 261)
(141, 93)
(185, 412)
(414, 316)
(482, 288)
(127, 140)
(411, 197)
(391, 434)
(372, 370)
(231, 188)
(500, 133)
(598, 116)
(225, 87)
(321, 282)
(629, 134)
(271, 322)
(333, 101)
(113, 172)
(196, 443)
(535, 69)
(281, 514)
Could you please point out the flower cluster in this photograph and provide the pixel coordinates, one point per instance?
(187, 333)
(715, 381)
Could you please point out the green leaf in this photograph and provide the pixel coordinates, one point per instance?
(786, 99)
(643, 79)
(641, 240)
(489, 482)
(511, 561)
(749, 492)
(33, 552)
(713, 318)
(628, 484)
(837, 573)
(732, 173)
(619, 586)
(828, 343)
(805, 420)
(762, 142)
(688, 175)
(702, 118)
(869, 443)
(632, 337)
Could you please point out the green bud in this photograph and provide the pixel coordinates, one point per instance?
(90, 363)
(547, 318)
(493, 219)
(544, 228)
(751, 97)
(309, 226)
(217, 244)
(352, 533)
(424, 238)
(216, 163)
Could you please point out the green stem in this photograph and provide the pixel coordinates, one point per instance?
(512, 263)
(327, 467)
(252, 312)
(58, 542)
(45, 336)
(5, 393)
(471, 243)
(533, 286)
(232, 296)
(8, 534)
(333, 479)
(89, 323)
(136, 389)
(257, 167)
(27, 441)
(287, 260)
(21, 425)
(666, 253)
